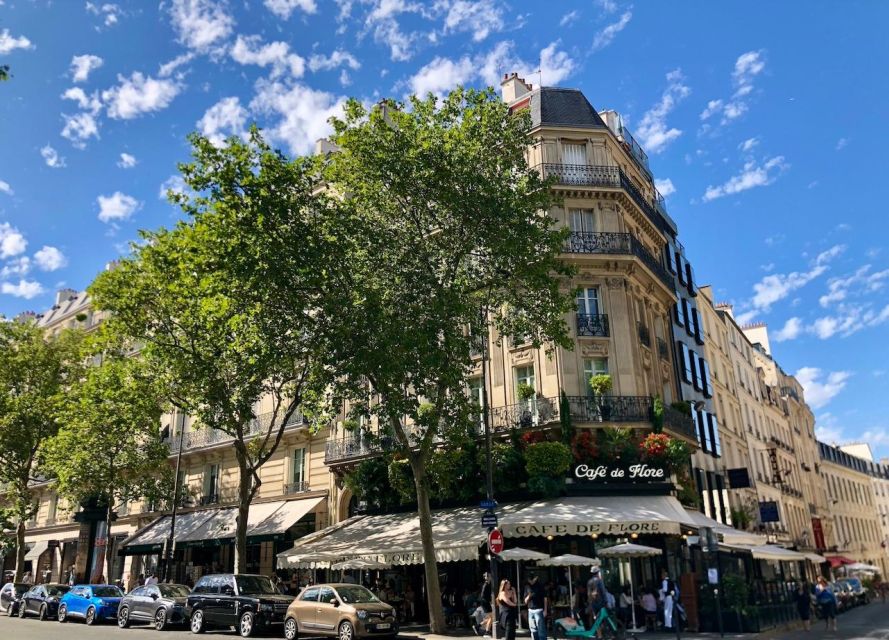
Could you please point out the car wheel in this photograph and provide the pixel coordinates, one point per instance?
(44, 614)
(197, 621)
(160, 619)
(22, 610)
(346, 631)
(123, 617)
(246, 624)
(11, 610)
(290, 629)
(90, 616)
(63, 613)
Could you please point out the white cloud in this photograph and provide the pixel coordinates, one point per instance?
(82, 66)
(569, 17)
(52, 157)
(225, 118)
(859, 283)
(345, 78)
(86, 102)
(382, 21)
(110, 13)
(790, 331)
(26, 289)
(478, 17)
(176, 184)
(604, 37)
(753, 175)
(842, 143)
(18, 267)
(50, 259)
(79, 128)
(284, 8)
(653, 133)
(748, 66)
(748, 144)
(199, 24)
(126, 161)
(607, 6)
(849, 319)
(12, 242)
(139, 94)
(117, 206)
(167, 68)
(318, 62)
(713, 106)
(553, 64)
(820, 389)
(10, 43)
(5, 188)
(303, 112)
(441, 75)
(665, 186)
(250, 50)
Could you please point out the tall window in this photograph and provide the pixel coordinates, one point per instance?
(588, 301)
(53, 507)
(574, 154)
(298, 466)
(525, 376)
(581, 220)
(593, 367)
(211, 481)
(476, 392)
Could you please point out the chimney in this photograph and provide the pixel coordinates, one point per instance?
(26, 317)
(512, 87)
(64, 295)
(324, 147)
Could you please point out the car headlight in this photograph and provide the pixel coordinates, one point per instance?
(266, 608)
(362, 614)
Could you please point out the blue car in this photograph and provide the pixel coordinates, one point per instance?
(90, 602)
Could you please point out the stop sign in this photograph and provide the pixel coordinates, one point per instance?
(495, 541)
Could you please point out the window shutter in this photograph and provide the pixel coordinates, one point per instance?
(695, 370)
(686, 362)
(690, 279)
(713, 427)
(703, 435)
(683, 273)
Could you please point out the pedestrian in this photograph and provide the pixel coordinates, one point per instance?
(669, 596)
(596, 594)
(485, 593)
(804, 604)
(507, 604)
(72, 576)
(625, 605)
(827, 601)
(538, 605)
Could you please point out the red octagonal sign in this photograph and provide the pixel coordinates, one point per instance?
(495, 541)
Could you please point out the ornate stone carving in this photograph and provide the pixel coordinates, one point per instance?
(522, 355)
(594, 348)
(614, 283)
(646, 358)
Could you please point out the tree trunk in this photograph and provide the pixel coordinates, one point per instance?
(109, 556)
(433, 589)
(19, 550)
(245, 480)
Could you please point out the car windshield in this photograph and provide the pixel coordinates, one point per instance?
(56, 590)
(356, 595)
(255, 585)
(173, 590)
(106, 592)
(21, 589)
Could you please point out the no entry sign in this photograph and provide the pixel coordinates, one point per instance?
(495, 542)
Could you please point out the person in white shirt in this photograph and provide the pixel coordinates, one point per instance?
(669, 595)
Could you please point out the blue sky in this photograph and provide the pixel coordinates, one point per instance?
(766, 126)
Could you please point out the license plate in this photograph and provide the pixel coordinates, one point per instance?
(383, 625)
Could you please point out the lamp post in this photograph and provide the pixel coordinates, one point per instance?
(168, 550)
(486, 418)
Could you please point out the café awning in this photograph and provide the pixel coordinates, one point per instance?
(727, 534)
(768, 552)
(394, 539)
(36, 550)
(838, 561)
(604, 515)
(814, 558)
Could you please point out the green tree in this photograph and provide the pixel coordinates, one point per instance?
(34, 374)
(4, 72)
(109, 446)
(443, 218)
(224, 306)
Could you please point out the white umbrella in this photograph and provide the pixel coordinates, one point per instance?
(518, 554)
(358, 563)
(629, 550)
(569, 560)
(861, 567)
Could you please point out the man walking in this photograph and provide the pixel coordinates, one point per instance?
(538, 604)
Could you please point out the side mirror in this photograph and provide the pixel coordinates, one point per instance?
(154, 596)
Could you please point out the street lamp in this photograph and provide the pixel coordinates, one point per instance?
(489, 472)
(168, 549)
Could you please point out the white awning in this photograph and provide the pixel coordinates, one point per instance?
(37, 550)
(768, 552)
(604, 515)
(815, 558)
(150, 539)
(394, 539)
(726, 534)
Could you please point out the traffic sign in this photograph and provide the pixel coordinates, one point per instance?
(489, 519)
(488, 504)
(495, 541)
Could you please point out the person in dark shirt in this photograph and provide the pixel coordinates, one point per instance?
(538, 604)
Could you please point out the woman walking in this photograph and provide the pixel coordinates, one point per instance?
(827, 600)
(803, 600)
(507, 604)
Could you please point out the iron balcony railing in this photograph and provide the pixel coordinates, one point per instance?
(679, 423)
(296, 487)
(593, 325)
(200, 438)
(617, 244)
(584, 175)
(662, 349)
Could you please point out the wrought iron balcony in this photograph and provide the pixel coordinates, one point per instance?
(296, 487)
(662, 349)
(644, 335)
(679, 423)
(524, 415)
(593, 325)
(356, 447)
(200, 438)
(598, 242)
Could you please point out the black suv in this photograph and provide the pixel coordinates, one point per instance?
(247, 602)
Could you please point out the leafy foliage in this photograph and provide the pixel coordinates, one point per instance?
(546, 464)
(600, 384)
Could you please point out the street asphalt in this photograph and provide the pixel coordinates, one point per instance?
(863, 623)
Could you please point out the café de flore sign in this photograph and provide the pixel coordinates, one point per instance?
(637, 472)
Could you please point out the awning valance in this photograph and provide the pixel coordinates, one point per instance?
(768, 552)
(37, 550)
(604, 515)
(838, 561)
(727, 534)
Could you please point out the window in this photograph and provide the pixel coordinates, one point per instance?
(686, 362)
(310, 594)
(525, 376)
(588, 301)
(298, 466)
(706, 386)
(690, 278)
(695, 370)
(211, 481)
(713, 429)
(581, 221)
(670, 255)
(700, 418)
(679, 312)
(593, 367)
(327, 595)
(53, 507)
(476, 396)
(574, 154)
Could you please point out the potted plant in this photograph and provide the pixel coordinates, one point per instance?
(527, 394)
(600, 385)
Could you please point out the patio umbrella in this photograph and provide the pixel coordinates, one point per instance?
(569, 560)
(357, 563)
(518, 554)
(629, 550)
(859, 567)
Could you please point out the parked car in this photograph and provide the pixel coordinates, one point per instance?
(160, 604)
(845, 599)
(10, 596)
(344, 611)
(859, 594)
(247, 602)
(90, 602)
(42, 600)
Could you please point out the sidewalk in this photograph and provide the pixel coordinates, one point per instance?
(422, 633)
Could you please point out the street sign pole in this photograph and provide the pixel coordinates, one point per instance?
(486, 418)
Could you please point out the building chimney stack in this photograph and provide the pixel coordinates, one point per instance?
(63, 295)
(512, 87)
